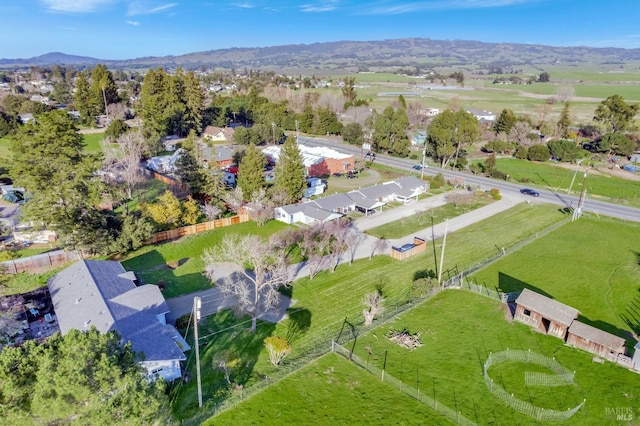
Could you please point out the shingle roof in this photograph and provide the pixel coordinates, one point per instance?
(596, 335)
(102, 294)
(546, 307)
(334, 202)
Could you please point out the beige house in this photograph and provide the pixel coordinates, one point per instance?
(218, 134)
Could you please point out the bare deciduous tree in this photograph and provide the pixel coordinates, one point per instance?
(117, 111)
(337, 232)
(565, 93)
(226, 362)
(260, 207)
(456, 182)
(256, 289)
(354, 238)
(210, 211)
(520, 133)
(379, 245)
(122, 161)
(234, 199)
(373, 303)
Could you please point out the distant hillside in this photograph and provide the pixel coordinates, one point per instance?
(50, 59)
(362, 55)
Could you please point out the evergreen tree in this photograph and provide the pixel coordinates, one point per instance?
(190, 172)
(194, 103)
(50, 162)
(103, 89)
(505, 122)
(564, 121)
(82, 100)
(80, 378)
(290, 171)
(251, 172)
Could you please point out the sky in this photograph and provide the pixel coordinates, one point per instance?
(126, 29)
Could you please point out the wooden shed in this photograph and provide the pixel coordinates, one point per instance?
(546, 315)
(596, 341)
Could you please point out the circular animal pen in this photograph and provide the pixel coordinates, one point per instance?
(562, 377)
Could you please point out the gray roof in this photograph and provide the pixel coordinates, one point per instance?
(410, 182)
(379, 190)
(364, 202)
(333, 202)
(546, 307)
(102, 294)
(596, 335)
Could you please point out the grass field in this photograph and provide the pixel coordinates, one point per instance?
(458, 331)
(92, 142)
(330, 391)
(557, 178)
(150, 261)
(417, 222)
(315, 317)
(590, 264)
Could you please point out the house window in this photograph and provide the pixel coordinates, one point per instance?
(527, 312)
(156, 370)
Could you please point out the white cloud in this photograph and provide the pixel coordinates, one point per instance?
(134, 23)
(395, 8)
(75, 6)
(146, 7)
(323, 6)
(244, 6)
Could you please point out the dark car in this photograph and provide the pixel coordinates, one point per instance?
(337, 175)
(352, 176)
(417, 167)
(529, 191)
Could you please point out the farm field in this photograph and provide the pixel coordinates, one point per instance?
(330, 390)
(590, 264)
(558, 178)
(315, 317)
(458, 331)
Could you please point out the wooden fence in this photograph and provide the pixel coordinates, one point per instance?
(408, 250)
(197, 228)
(40, 262)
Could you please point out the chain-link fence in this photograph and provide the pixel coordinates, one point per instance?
(562, 377)
(454, 416)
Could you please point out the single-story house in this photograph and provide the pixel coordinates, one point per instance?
(419, 138)
(544, 314)
(337, 203)
(218, 134)
(482, 115)
(306, 213)
(318, 161)
(222, 155)
(164, 163)
(596, 341)
(409, 187)
(102, 294)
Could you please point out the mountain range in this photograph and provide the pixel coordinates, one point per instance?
(357, 56)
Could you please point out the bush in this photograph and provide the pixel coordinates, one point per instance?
(521, 152)
(413, 156)
(437, 181)
(538, 153)
(497, 174)
(495, 193)
(183, 322)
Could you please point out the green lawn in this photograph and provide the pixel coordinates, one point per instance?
(458, 331)
(150, 261)
(590, 264)
(25, 282)
(321, 305)
(417, 222)
(92, 142)
(330, 391)
(558, 178)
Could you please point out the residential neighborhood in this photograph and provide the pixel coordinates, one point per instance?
(409, 230)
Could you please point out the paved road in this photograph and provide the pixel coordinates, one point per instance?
(590, 205)
(213, 300)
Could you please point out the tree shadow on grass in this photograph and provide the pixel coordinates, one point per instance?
(222, 333)
(298, 324)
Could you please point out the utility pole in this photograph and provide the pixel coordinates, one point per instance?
(444, 243)
(574, 176)
(424, 158)
(197, 304)
(578, 211)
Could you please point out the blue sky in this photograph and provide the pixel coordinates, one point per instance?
(122, 29)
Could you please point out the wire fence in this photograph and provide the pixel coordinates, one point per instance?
(452, 415)
(453, 278)
(562, 377)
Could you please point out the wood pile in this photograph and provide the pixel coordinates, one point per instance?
(404, 339)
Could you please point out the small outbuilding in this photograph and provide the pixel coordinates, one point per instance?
(546, 315)
(595, 341)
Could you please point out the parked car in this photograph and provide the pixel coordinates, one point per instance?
(529, 191)
(337, 175)
(352, 176)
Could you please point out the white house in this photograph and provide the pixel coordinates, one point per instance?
(482, 114)
(102, 294)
